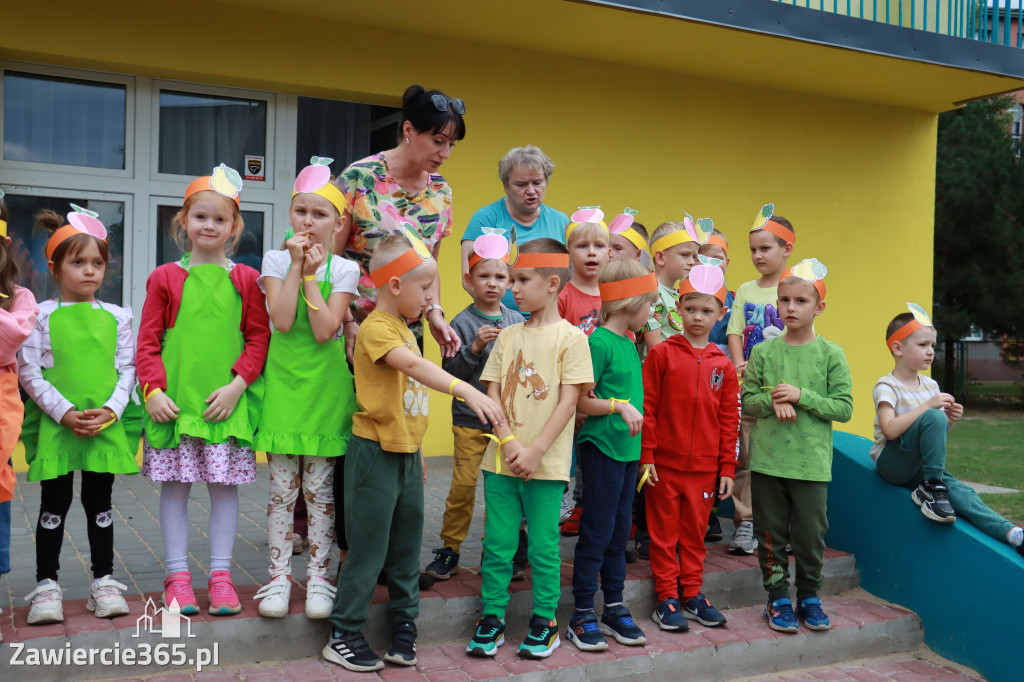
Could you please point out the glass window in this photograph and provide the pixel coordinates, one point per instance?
(248, 251)
(63, 121)
(343, 131)
(198, 132)
(29, 242)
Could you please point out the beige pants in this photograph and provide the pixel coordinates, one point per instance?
(741, 492)
(316, 480)
(458, 510)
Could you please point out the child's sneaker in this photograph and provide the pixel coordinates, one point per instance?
(566, 508)
(541, 640)
(668, 616)
(932, 496)
(642, 545)
(489, 635)
(319, 597)
(47, 603)
(617, 622)
(403, 645)
(780, 616)
(584, 632)
(700, 609)
(572, 524)
(743, 541)
(223, 598)
(274, 597)
(714, 531)
(808, 609)
(178, 588)
(444, 565)
(105, 598)
(350, 650)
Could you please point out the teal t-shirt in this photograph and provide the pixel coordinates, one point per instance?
(617, 373)
(800, 449)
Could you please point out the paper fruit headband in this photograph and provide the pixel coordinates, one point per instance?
(490, 245)
(585, 214)
(534, 260)
(628, 288)
(622, 224)
(408, 261)
(810, 270)
(695, 231)
(763, 221)
(705, 278)
(223, 180)
(316, 179)
(80, 221)
(920, 321)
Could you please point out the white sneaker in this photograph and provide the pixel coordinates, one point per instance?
(47, 604)
(105, 598)
(275, 597)
(319, 597)
(743, 541)
(567, 507)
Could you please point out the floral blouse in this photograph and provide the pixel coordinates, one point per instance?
(369, 190)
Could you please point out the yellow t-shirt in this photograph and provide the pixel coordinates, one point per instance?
(532, 364)
(393, 407)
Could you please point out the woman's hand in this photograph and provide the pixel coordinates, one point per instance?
(445, 336)
(161, 408)
(223, 401)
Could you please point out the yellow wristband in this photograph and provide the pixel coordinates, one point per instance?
(507, 439)
(611, 404)
(497, 452)
(451, 387)
(113, 420)
(309, 278)
(153, 393)
(643, 479)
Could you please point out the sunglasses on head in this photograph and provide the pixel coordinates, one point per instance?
(441, 103)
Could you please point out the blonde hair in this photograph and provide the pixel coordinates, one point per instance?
(180, 235)
(665, 228)
(616, 271)
(388, 249)
(588, 231)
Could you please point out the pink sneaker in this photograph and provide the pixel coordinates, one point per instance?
(178, 587)
(223, 598)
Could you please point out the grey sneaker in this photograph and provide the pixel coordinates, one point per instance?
(743, 541)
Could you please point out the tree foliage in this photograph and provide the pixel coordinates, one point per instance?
(979, 240)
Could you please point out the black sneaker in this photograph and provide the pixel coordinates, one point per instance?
(489, 635)
(643, 544)
(630, 556)
(403, 645)
(542, 639)
(350, 650)
(584, 632)
(714, 532)
(444, 565)
(932, 496)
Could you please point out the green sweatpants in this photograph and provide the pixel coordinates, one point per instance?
(508, 499)
(384, 525)
(789, 511)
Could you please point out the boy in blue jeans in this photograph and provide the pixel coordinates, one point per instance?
(912, 420)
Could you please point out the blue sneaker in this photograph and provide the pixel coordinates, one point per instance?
(700, 609)
(780, 616)
(541, 640)
(489, 635)
(808, 609)
(617, 622)
(669, 616)
(584, 632)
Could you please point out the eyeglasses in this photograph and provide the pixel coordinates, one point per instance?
(441, 104)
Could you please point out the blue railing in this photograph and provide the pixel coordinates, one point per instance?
(992, 21)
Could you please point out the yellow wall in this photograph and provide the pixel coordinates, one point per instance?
(857, 180)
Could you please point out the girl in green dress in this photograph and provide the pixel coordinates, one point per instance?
(309, 395)
(78, 369)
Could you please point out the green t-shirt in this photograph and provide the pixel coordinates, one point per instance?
(617, 373)
(800, 449)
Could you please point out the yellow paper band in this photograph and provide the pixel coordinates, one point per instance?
(451, 387)
(643, 479)
(309, 278)
(497, 453)
(636, 239)
(3, 295)
(611, 404)
(303, 295)
(670, 240)
(334, 195)
(113, 420)
(3, 228)
(152, 393)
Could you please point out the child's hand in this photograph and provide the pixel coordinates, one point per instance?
(223, 400)
(785, 393)
(523, 462)
(740, 369)
(297, 246)
(942, 401)
(725, 486)
(580, 419)
(632, 416)
(485, 408)
(314, 258)
(161, 408)
(77, 422)
(784, 412)
(423, 463)
(954, 412)
(99, 417)
(484, 335)
(653, 478)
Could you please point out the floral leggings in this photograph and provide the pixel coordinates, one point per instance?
(316, 480)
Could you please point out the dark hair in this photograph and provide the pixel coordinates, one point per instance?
(419, 110)
(9, 270)
(71, 246)
(786, 224)
(547, 245)
(898, 322)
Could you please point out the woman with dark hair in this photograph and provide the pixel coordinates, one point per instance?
(402, 185)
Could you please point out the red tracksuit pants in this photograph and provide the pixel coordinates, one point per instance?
(677, 514)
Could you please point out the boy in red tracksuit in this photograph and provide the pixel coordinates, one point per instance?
(688, 447)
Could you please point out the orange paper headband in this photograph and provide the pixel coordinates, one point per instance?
(475, 258)
(686, 287)
(818, 284)
(719, 241)
(628, 288)
(224, 181)
(406, 262)
(671, 239)
(920, 321)
(542, 260)
(80, 221)
(780, 231)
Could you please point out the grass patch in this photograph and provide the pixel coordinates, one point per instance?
(984, 448)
